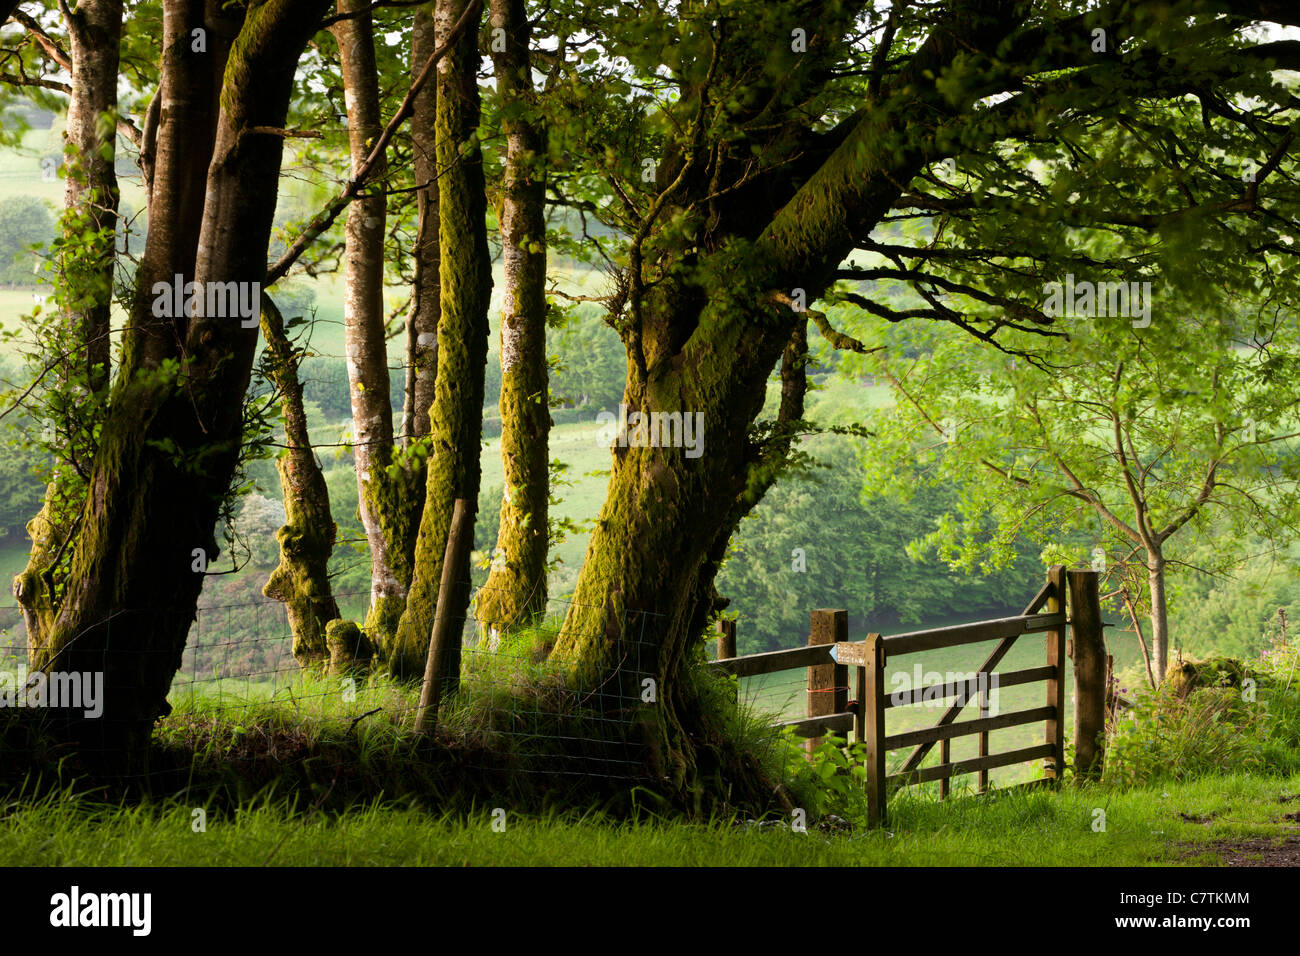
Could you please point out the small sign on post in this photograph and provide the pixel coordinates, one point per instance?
(850, 653)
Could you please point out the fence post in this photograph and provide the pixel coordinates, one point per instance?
(828, 684)
(438, 662)
(872, 702)
(945, 758)
(984, 736)
(726, 639)
(1090, 688)
(1056, 683)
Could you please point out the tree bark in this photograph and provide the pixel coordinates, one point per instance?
(86, 290)
(171, 440)
(94, 36)
(363, 307)
(516, 589)
(1159, 613)
(422, 320)
(307, 538)
(401, 503)
(465, 293)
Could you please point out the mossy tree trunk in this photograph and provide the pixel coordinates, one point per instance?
(363, 311)
(456, 418)
(301, 580)
(85, 284)
(704, 326)
(171, 439)
(516, 588)
(398, 502)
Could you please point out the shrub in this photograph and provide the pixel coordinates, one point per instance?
(1221, 720)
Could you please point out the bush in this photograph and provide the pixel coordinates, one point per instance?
(1215, 720)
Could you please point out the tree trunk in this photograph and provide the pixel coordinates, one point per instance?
(307, 538)
(1159, 613)
(402, 502)
(516, 589)
(363, 310)
(94, 35)
(85, 278)
(422, 320)
(172, 438)
(465, 292)
(189, 85)
(702, 334)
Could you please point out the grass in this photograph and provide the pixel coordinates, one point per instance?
(1143, 828)
(314, 777)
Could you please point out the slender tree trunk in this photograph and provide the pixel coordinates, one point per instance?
(363, 306)
(422, 320)
(516, 589)
(1159, 613)
(172, 438)
(307, 538)
(94, 34)
(466, 289)
(402, 502)
(86, 288)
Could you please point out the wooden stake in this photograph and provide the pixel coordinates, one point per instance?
(873, 707)
(460, 539)
(726, 639)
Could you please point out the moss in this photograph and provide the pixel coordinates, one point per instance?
(301, 580)
(1188, 675)
(456, 418)
(350, 651)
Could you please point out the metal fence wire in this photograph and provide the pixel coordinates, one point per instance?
(238, 667)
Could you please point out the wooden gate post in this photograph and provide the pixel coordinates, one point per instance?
(828, 684)
(1056, 683)
(1089, 646)
(872, 704)
(726, 639)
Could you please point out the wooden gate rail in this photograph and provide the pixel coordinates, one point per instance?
(866, 716)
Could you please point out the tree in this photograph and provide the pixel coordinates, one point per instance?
(814, 542)
(307, 537)
(516, 589)
(1129, 430)
(781, 150)
(173, 430)
(25, 221)
(466, 286)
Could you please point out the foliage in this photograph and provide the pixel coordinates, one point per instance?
(1237, 612)
(817, 541)
(1212, 730)
(25, 221)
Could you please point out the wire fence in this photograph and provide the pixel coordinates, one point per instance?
(238, 667)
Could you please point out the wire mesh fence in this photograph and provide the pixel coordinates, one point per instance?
(238, 668)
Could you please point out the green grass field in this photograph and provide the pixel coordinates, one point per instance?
(1173, 825)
